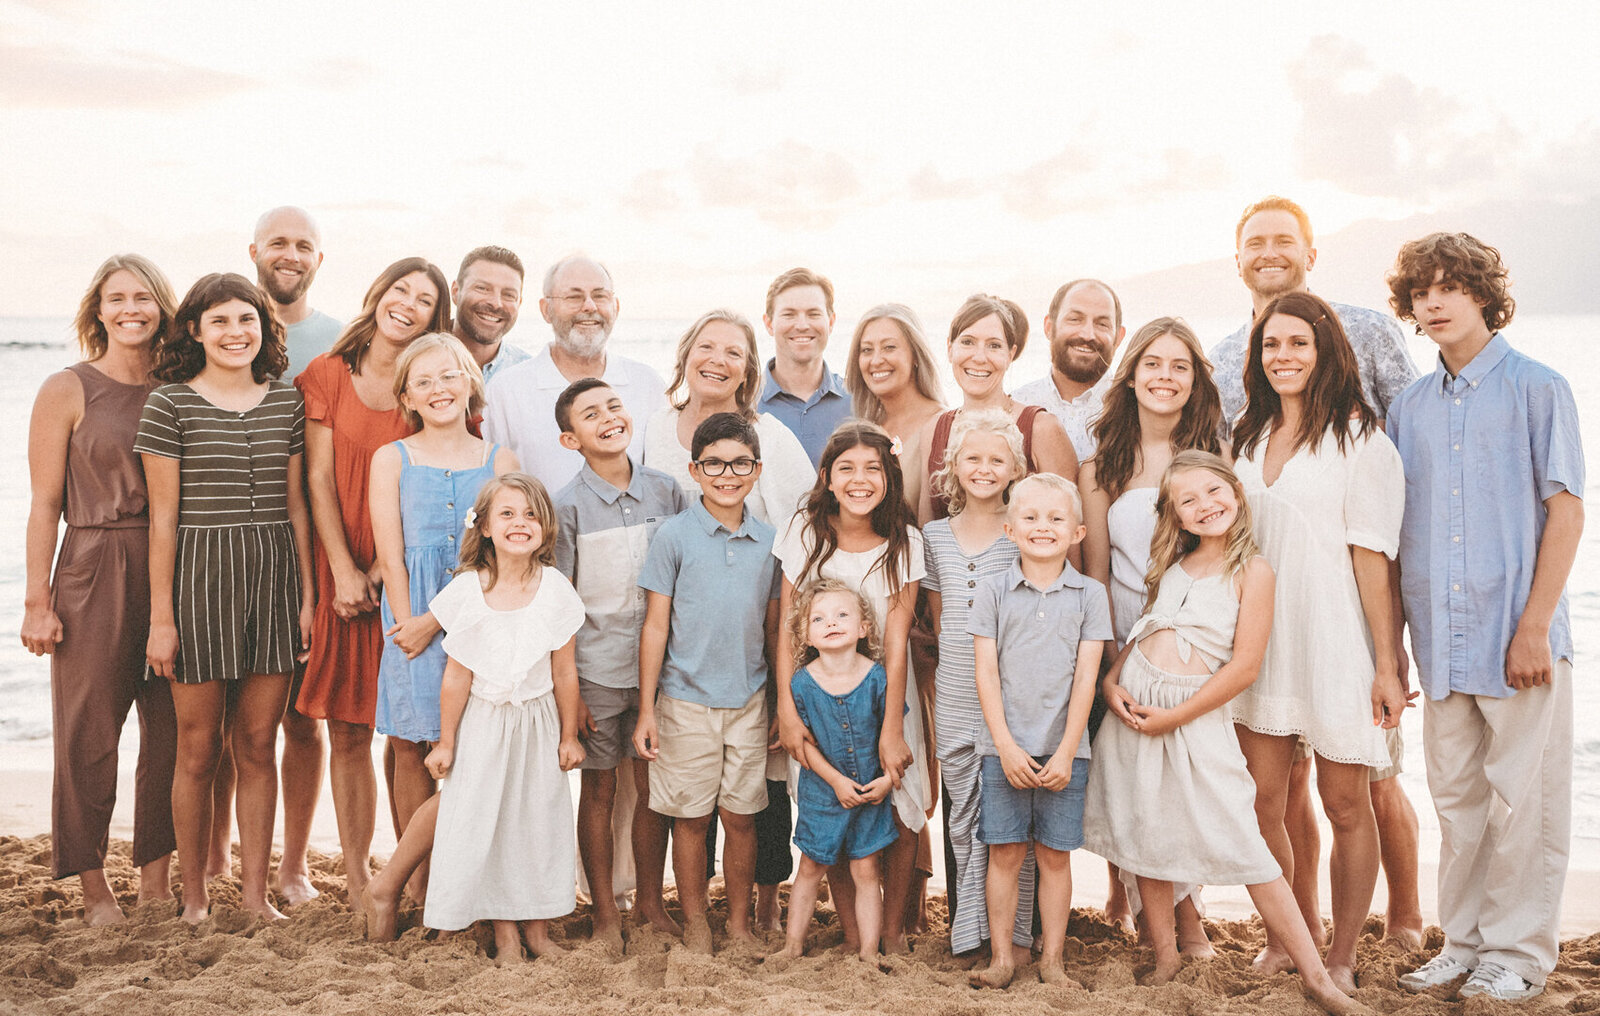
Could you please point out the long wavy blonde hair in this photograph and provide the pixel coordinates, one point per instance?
(799, 621)
(968, 423)
(1171, 541)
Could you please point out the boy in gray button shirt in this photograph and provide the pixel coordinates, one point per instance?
(1038, 631)
(605, 519)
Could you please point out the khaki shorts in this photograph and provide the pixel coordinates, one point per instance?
(709, 758)
(1391, 740)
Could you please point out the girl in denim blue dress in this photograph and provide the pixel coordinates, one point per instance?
(421, 488)
(844, 813)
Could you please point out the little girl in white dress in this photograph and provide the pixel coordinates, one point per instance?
(1169, 797)
(505, 847)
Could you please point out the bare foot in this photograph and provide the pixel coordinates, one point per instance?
(1052, 972)
(1272, 960)
(896, 946)
(509, 955)
(356, 889)
(657, 917)
(1201, 950)
(382, 919)
(1337, 1002)
(1344, 978)
(548, 950)
(194, 915)
(265, 909)
(790, 951)
(993, 976)
(610, 937)
(743, 937)
(295, 887)
(697, 935)
(99, 913)
(1120, 916)
(1406, 937)
(769, 925)
(1166, 969)
(154, 895)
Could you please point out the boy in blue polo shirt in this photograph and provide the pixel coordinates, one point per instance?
(605, 519)
(710, 629)
(1494, 512)
(1038, 630)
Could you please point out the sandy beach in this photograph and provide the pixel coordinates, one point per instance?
(318, 962)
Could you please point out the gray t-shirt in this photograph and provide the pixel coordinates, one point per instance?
(1037, 633)
(306, 340)
(1380, 348)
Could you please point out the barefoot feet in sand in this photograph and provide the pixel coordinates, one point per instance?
(995, 975)
(1272, 960)
(697, 935)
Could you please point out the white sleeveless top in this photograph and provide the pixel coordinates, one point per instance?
(1202, 614)
(1131, 520)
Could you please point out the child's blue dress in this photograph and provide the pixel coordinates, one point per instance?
(846, 728)
(433, 508)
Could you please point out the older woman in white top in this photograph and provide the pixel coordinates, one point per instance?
(719, 371)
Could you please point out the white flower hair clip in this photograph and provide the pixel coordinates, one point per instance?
(471, 519)
(895, 447)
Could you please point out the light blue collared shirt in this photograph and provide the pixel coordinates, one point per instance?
(811, 420)
(720, 583)
(507, 355)
(1483, 451)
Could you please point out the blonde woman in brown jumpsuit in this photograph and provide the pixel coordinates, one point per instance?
(92, 616)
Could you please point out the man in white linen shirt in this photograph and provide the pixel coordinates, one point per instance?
(581, 305)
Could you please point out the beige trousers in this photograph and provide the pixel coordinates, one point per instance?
(1500, 770)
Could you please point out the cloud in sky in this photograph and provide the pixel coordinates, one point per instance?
(61, 78)
(1380, 133)
(789, 185)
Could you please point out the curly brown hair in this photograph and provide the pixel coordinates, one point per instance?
(179, 354)
(1452, 257)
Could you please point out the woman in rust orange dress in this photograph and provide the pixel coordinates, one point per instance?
(350, 413)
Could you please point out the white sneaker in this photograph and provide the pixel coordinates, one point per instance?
(1438, 971)
(1494, 981)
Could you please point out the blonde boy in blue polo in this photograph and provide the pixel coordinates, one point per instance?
(1038, 630)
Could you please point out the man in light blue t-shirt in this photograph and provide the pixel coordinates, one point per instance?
(287, 251)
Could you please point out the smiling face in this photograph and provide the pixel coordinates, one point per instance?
(129, 311)
(437, 388)
(856, 480)
(287, 253)
(1163, 376)
(1448, 314)
(1288, 354)
(885, 358)
(979, 357)
(405, 308)
(1273, 256)
(800, 325)
(1206, 503)
(487, 298)
(513, 526)
(581, 308)
(984, 466)
(1084, 334)
(599, 425)
(716, 363)
(1042, 522)
(835, 621)
(230, 334)
(728, 490)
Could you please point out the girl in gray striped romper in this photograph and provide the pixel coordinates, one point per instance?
(983, 459)
(230, 557)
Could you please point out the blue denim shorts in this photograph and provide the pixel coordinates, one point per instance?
(1051, 817)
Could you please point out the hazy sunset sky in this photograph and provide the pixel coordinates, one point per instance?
(912, 151)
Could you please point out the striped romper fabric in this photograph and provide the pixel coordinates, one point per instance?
(236, 583)
(953, 574)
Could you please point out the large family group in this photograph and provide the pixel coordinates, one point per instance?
(788, 585)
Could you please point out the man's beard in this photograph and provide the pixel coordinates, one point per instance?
(1077, 372)
(285, 298)
(583, 346)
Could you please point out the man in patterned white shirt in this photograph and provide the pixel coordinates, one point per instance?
(1084, 329)
(1274, 254)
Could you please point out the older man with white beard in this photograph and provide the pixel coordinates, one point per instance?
(581, 305)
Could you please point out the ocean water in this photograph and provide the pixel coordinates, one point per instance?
(31, 348)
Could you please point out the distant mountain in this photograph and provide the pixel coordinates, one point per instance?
(1552, 250)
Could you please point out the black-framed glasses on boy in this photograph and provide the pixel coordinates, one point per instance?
(742, 466)
(424, 385)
